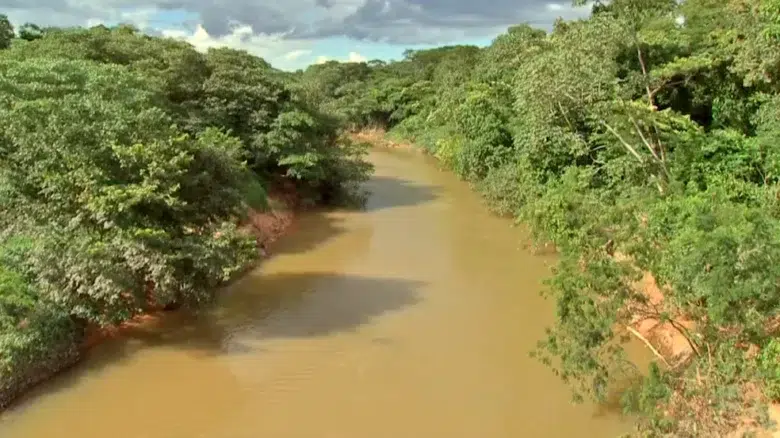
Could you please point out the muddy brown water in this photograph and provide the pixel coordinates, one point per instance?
(413, 318)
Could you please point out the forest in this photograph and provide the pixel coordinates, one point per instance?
(127, 163)
(642, 143)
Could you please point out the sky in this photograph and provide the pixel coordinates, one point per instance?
(293, 34)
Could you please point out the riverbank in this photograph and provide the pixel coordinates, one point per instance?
(265, 226)
(667, 337)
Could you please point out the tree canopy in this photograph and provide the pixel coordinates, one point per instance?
(126, 163)
(643, 143)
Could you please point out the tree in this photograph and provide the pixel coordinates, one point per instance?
(118, 186)
(30, 32)
(6, 32)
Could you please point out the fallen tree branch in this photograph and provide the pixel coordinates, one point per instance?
(639, 336)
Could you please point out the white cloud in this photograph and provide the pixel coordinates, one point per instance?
(295, 54)
(395, 21)
(351, 57)
(95, 22)
(356, 57)
(278, 32)
(280, 52)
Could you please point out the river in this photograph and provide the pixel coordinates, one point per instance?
(413, 318)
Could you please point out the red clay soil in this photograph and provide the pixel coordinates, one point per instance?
(267, 227)
(669, 343)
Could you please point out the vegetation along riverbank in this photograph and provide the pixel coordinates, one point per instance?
(132, 172)
(641, 142)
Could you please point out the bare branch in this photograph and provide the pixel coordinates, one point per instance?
(644, 139)
(623, 141)
(686, 334)
(565, 117)
(639, 336)
(642, 64)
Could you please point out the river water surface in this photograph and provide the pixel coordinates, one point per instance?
(412, 319)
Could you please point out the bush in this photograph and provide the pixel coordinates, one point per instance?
(769, 365)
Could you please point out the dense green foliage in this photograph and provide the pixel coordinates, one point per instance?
(126, 163)
(642, 141)
(636, 142)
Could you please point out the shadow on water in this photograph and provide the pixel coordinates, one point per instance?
(316, 227)
(258, 307)
(285, 305)
(311, 229)
(389, 192)
(310, 305)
